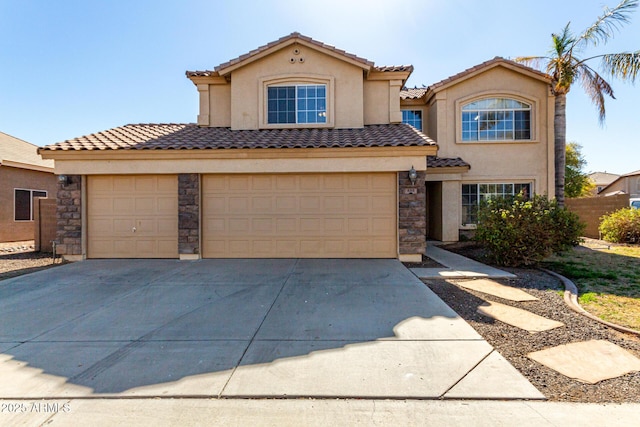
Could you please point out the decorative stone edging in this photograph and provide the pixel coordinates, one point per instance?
(571, 299)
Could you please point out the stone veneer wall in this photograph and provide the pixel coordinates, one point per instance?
(188, 213)
(69, 216)
(412, 214)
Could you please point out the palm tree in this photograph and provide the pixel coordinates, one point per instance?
(564, 66)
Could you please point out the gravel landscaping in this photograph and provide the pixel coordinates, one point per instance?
(514, 344)
(18, 258)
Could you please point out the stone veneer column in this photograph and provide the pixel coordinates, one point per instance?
(69, 216)
(412, 215)
(189, 215)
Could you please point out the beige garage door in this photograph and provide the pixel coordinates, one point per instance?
(132, 216)
(307, 216)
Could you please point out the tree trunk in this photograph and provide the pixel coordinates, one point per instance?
(560, 144)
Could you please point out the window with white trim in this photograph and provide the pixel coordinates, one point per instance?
(413, 118)
(297, 104)
(496, 119)
(23, 203)
(474, 194)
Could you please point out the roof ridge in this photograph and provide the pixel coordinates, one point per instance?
(477, 67)
(293, 35)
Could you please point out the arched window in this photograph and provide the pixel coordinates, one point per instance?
(496, 119)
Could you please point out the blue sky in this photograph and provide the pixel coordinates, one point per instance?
(69, 68)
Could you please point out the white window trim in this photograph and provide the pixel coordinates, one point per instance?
(30, 190)
(518, 96)
(295, 80)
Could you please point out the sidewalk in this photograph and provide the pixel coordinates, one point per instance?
(457, 267)
(314, 412)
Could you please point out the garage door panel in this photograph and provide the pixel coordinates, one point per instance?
(132, 216)
(311, 215)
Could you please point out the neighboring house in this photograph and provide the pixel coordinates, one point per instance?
(23, 176)
(304, 150)
(625, 184)
(602, 179)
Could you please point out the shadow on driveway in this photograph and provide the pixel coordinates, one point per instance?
(268, 327)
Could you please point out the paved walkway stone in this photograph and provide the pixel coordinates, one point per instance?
(456, 266)
(518, 317)
(496, 289)
(588, 361)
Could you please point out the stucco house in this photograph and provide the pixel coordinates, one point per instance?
(628, 183)
(23, 176)
(601, 180)
(304, 150)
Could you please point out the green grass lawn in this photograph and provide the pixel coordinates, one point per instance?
(608, 280)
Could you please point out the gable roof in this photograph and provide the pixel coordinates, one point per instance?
(487, 65)
(292, 38)
(297, 38)
(621, 177)
(17, 153)
(603, 178)
(192, 137)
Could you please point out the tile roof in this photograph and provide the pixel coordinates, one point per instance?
(446, 162)
(193, 137)
(394, 68)
(15, 150)
(413, 93)
(203, 73)
(294, 35)
(485, 64)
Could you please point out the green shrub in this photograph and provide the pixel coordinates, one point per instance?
(518, 231)
(621, 226)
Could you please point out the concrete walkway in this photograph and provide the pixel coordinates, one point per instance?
(457, 267)
(241, 328)
(313, 412)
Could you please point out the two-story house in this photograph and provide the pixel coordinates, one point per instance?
(304, 150)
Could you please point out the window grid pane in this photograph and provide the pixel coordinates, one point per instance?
(413, 118)
(297, 104)
(474, 194)
(496, 119)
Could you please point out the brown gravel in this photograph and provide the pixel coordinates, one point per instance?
(18, 258)
(514, 343)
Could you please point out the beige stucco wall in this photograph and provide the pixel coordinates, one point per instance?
(499, 161)
(247, 89)
(628, 184)
(12, 178)
(376, 102)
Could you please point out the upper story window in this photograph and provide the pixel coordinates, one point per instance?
(413, 118)
(297, 104)
(496, 119)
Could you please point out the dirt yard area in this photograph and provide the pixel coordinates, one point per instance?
(18, 258)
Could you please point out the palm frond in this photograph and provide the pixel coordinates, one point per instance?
(624, 66)
(562, 43)
(608, 23)
(595, 87)
(537, 62)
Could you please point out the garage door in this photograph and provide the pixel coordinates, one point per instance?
(132, 216)
(307, 216)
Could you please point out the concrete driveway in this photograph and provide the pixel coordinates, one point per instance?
(241, 328)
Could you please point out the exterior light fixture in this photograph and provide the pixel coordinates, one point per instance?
(413, 175)
(63, 179)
